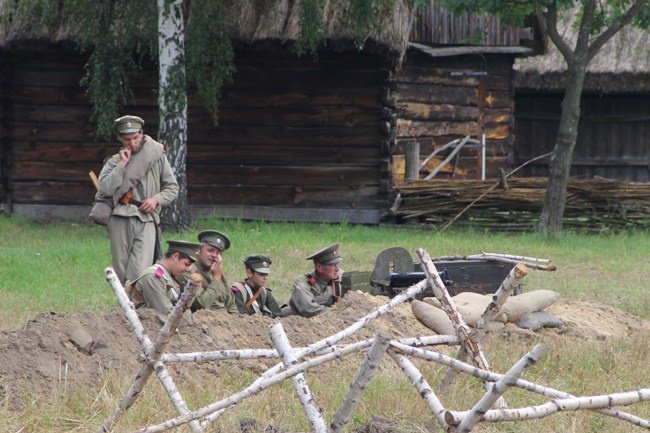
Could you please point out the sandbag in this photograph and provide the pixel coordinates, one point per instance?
(519, 306)
(471, 306)
(432, 317)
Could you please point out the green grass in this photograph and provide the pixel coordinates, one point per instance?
(60, 267)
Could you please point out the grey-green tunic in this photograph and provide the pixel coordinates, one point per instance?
(216, 295)
(311, 296)
(265, 302)
(158, 288)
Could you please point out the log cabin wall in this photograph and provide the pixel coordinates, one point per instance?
(613, 134)
(4, 142)
(296, 140)
(436, 100)
(293, 134)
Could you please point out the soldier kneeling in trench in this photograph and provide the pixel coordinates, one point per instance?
(313, 293)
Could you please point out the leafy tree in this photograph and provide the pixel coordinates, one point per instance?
(194, 51)
(596, 21)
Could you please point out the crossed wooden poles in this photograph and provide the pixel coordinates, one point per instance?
(293, 366)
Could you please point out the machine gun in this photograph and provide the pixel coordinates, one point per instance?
(396, 270)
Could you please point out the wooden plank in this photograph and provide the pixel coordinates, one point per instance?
(413, 128)
(249, 98)
(203, 174)
(277, 213)
(436, 94)
(265, 195)
(262, 154)
(289, 136)
(424, 111)
(303, 116)
(63, 151)
(53, 171)
(53, 193)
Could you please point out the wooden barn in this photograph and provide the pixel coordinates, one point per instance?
(297, 140)
(614, 129)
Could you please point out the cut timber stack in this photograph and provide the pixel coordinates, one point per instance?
(592, 204)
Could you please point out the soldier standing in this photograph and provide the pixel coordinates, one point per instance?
(313, 293)
(140, 173)
(251, 295)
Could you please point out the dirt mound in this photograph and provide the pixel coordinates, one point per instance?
(78, 348)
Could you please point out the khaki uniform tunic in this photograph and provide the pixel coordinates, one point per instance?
(215, 294)
(311, 296)
(132, 234)
(265, 302)
(158, 288)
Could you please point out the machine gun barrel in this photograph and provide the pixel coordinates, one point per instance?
(407, 279)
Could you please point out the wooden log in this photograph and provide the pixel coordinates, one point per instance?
(365, 373)
(359, 324)
(286, 175)
(511, 282)
(413, 128)
(422, 386)
(307, 399)
(254, 388)
(594, 402)
(496, 391)
(153, 351)
(520, 383)
(412, 160)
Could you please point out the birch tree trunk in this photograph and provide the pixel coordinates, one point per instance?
(577, 59)
(172, 101)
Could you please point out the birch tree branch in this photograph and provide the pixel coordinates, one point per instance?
(499, 387)
(422, 386)
(247, 392)
(153, 351)
(514, 278)
(599, 403)
(366, 371)
(312, 410)
(221, 355)
(359, 324)
(520, 383)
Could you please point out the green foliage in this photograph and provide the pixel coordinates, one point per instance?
(312, 27)
(210, 55)
(118, 34)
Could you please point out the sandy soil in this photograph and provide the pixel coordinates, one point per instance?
(80, 347)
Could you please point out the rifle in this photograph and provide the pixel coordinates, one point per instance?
(126, 199)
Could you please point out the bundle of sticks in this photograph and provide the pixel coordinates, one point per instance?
(592, 204)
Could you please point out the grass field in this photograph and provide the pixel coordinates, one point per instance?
(60, 267)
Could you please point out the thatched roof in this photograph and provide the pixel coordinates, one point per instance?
(249, 21)
(621, 66)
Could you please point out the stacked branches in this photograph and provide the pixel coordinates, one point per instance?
(515, 204)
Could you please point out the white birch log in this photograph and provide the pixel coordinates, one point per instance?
(351, 348)
(129, 310)
(153, 355)
(520, 259)
(222, 355)
(307, 399)
(422, 386)
(366, 371)
(514, 278)
(520, 383)
(463, 331)
(599, 403)
(531, 262)
(359, 324)
(499, 387)
(247, 392)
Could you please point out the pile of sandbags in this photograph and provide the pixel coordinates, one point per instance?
(525, 310)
